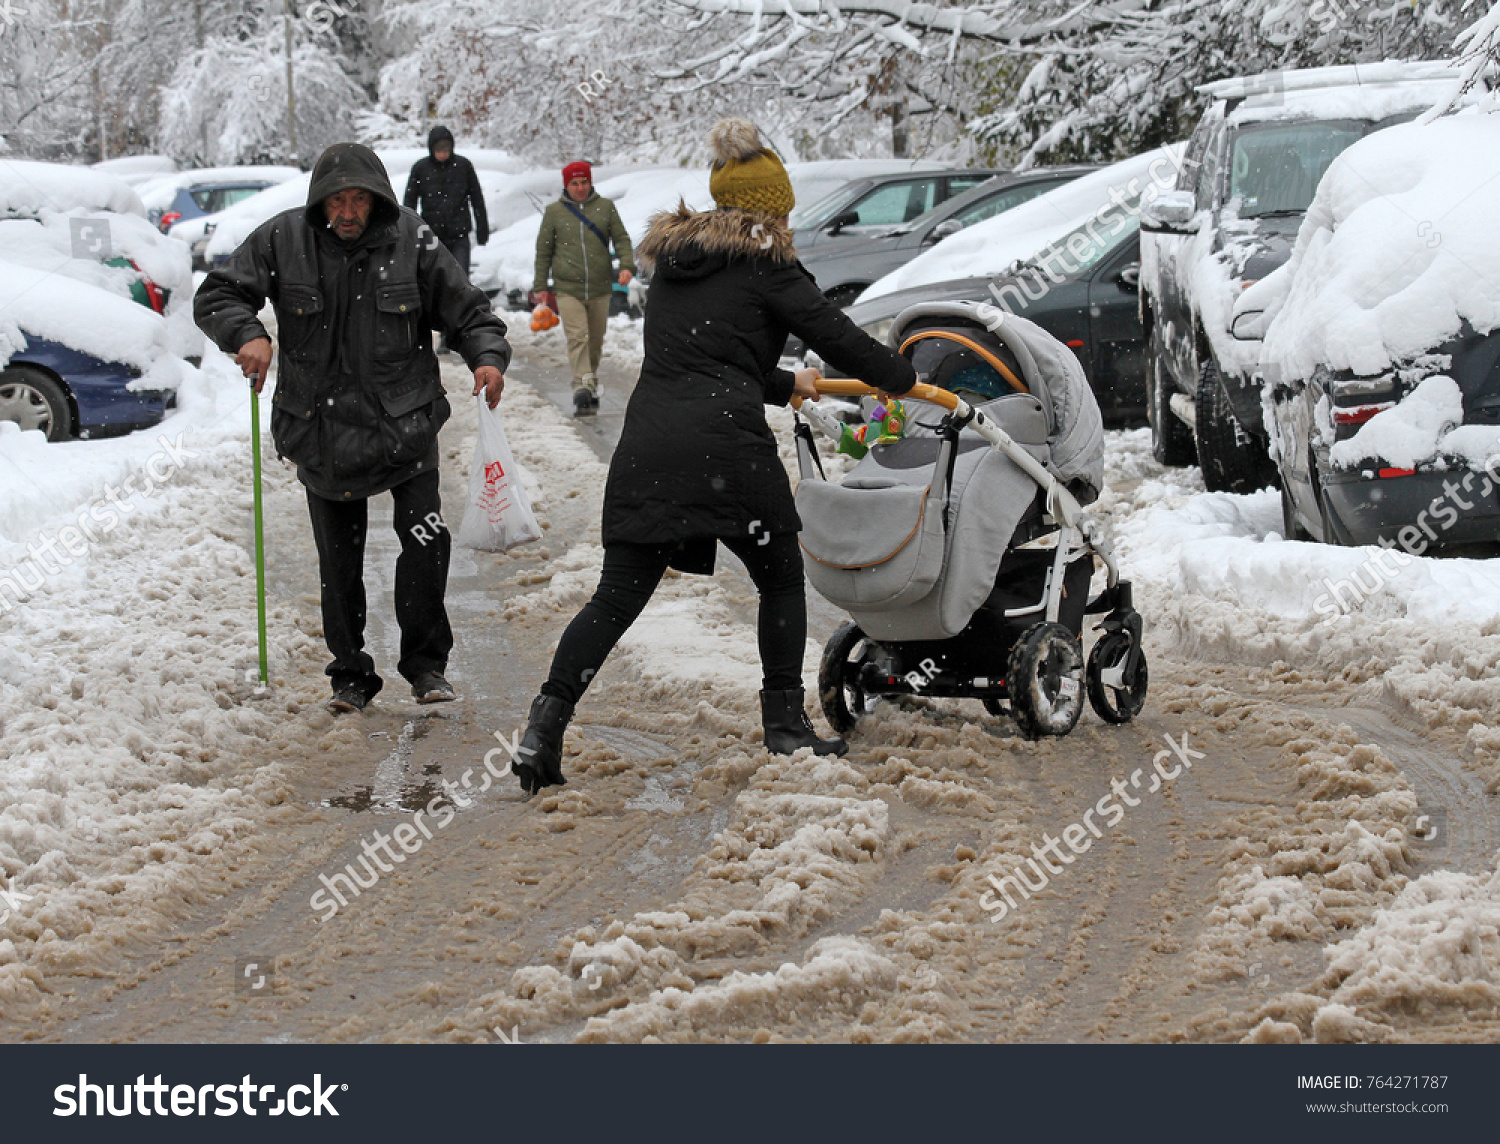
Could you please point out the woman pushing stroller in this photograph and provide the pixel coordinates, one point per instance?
(697, 463)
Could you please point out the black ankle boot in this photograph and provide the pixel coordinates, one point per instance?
(788, 728)
(540, 762)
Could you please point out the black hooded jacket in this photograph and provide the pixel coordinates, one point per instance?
(358, 400)
(446, 191)
(696, 460)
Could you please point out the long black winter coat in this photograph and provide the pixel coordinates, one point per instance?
(358, 401)
(696, 460)
(442, 193)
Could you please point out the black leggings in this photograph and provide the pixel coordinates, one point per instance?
(631, 574)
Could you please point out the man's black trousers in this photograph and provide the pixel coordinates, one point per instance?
(421, 579)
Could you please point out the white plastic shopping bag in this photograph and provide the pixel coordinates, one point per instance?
(498, 516)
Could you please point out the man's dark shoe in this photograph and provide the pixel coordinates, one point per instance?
(585, 403)
(431, 687)
(348, 699)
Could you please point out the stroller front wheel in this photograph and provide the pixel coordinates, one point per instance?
(839, 692)
(1044, 681)
(1116, 698)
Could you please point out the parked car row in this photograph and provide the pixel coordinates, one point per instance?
(1265, 366)
(101, 299)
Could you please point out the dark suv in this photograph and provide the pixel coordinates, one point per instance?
(1250, 172)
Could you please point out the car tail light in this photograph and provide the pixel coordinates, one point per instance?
(153, 291)
(1076, 344)
(1386, 474)
(168, 219)
(1358, 414)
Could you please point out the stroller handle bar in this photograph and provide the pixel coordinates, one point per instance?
(1060, 502)
(848, 387)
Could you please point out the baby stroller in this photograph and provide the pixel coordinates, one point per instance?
(960, 546)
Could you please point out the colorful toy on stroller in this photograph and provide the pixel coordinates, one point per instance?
(961, 548)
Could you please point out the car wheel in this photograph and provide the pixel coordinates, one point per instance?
(1171, 440)
(1232, 460)
(34, 401)
(1291, 523)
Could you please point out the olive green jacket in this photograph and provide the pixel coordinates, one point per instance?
(577, 262)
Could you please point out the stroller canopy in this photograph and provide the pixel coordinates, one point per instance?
(982, 353)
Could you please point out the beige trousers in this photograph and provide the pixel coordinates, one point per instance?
(583, 323)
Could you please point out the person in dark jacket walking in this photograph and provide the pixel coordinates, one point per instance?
(696, 463)
(358, 283)
(443, 189)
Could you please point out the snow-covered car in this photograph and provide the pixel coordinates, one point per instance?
(88, 226)
(1381, 361)
(865, 206)
(845, 270)
(204, 191)
(1252, 167)
(137, 169)
(78, 360)
(1088, 302)
(989, 248)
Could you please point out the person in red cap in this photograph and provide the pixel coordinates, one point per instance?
(573, 251)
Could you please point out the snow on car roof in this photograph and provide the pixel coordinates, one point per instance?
(28, 188)
(159, 191)
(1349, 75)
(1354, 91)
(987, 248)
(1399, 248)
(59, 308)
(134, 169)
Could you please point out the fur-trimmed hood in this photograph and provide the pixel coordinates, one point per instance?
(687, 244)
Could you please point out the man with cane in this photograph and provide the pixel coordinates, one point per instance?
(358, 283)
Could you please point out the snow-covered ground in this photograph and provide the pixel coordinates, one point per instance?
(729, 895)
(134, 749)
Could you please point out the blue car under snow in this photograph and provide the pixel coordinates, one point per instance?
(66, 393)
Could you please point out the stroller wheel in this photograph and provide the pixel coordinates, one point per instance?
(842, 698)
(1115, 698)
(1044, 681)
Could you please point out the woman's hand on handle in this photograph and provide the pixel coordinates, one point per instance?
(805, 384)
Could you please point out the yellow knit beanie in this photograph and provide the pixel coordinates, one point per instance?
(747, 175)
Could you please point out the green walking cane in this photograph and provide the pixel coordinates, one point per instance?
(260, 541)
